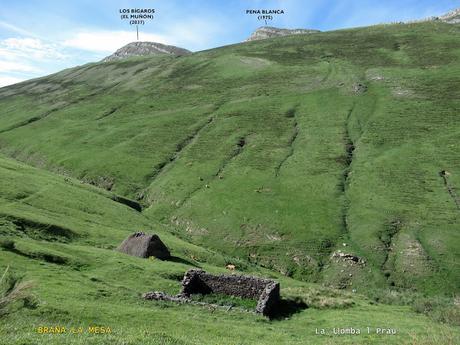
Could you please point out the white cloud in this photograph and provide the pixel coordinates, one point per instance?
(13, 66)
(6, 80)
(23, 58)
(33, 48)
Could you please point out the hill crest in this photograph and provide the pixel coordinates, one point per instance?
(144, 49)
(270, 31)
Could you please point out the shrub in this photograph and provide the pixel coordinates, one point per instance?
(14, 291)
(438, 308)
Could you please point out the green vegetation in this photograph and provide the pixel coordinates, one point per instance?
(13, 291)
(270, 155)
(225, 300)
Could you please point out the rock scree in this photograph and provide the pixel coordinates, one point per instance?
(195, 281)
(142, 245)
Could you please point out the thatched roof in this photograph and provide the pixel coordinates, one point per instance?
(144, 246)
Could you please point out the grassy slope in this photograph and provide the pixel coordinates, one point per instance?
(80, 281)
(246, 149)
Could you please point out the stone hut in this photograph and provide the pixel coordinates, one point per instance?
(265, 291)
(143, 245)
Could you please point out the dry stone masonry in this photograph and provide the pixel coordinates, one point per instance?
(265, 291)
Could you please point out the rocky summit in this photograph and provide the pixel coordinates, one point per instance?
(269, 32)
(145, 48)
(452, 17)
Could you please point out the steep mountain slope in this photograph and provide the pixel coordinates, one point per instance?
(280, 152)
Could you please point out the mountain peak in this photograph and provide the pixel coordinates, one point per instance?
(452, 17)
(270, 31)
(144, 49)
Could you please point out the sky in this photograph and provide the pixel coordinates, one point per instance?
(40, 37)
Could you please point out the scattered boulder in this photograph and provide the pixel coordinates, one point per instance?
(161, 296)
(348, 258)
(359, 88)
(444, 173)
(142, 245)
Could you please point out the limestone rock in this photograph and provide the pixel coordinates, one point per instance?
(348, 258)
(144, 49)
(452, 17)
(269, 32)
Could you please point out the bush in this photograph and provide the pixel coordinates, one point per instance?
(438, 308)
(393, 297)
(290, 112)
(14, 291)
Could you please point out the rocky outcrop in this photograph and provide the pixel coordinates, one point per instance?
(347, 258)
(161, 296)
(144, 49)
(144, 246)
(452, 17)
(269, 32)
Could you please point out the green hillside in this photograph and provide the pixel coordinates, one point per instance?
(65, 247)
(273, 155)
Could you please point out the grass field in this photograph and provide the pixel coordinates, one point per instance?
(270, 155)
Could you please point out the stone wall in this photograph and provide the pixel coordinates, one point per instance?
(265, 291)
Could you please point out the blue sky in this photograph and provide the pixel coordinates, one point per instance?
(39, 37)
